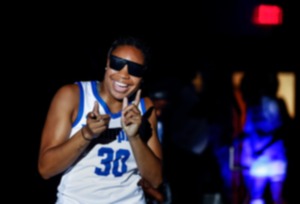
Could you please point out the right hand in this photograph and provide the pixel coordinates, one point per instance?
(96, 123)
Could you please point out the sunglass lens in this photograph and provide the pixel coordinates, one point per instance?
(116, 63)
(135, 69)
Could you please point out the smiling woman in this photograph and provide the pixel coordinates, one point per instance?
(93, 135)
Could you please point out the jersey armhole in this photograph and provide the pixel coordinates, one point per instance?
(80, 105)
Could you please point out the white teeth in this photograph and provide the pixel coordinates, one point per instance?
(121, 84)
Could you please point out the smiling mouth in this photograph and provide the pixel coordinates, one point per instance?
(120, 87)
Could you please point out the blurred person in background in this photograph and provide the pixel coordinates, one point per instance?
(263, 155)
(193, 127)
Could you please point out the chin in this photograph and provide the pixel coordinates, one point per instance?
(119, 95)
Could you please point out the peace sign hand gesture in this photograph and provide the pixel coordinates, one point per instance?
(131, 116)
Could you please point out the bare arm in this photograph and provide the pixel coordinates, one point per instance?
(148, 156)
(57, 150)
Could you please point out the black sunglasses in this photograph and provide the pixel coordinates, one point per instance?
(134, 69)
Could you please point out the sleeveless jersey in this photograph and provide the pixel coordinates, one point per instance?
(107, 171)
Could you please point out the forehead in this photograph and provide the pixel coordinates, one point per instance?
(130, 53)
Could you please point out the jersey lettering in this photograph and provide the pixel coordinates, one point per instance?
(113, 162)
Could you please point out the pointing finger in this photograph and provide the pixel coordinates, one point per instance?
(96, 110)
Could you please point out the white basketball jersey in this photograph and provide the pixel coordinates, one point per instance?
(107, 171)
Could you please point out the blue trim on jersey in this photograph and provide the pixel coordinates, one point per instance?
(98, 97)
(102, 102)
(143, 105)
(81, 104)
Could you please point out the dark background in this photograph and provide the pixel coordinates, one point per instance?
(51, 45)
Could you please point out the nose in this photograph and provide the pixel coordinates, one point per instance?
(124, 72)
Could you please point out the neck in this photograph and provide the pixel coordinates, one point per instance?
(113, 104)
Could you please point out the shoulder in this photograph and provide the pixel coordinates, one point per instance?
(148, 108)
(148, 102)
(68, 93)
(65, 101)
(68, 90)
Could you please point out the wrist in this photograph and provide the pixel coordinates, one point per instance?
(134, 137)
(86, 137)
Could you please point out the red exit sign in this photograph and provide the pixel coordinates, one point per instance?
(267, 14)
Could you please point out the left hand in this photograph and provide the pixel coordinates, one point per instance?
(131, 116)
(153, 193)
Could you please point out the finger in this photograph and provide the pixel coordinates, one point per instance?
(129, 114)
(125, 103)
(91, 115)
(96, 110)
(154, 193)
(137, 97)
(105, 117)
(131, 117)
(140, 182)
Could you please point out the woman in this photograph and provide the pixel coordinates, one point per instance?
(93, 135)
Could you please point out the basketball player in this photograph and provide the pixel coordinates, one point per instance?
(93, 134)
